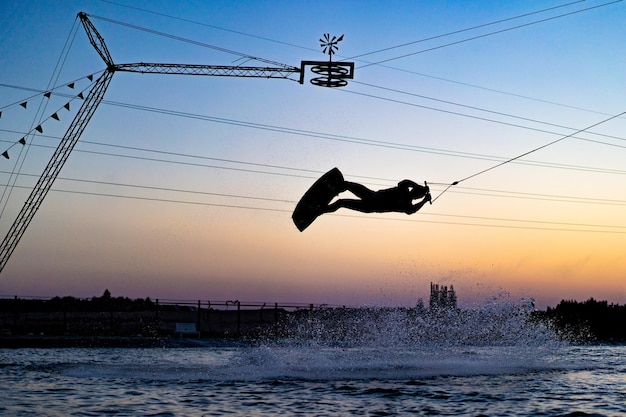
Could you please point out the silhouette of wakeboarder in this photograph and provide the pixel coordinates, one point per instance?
(319, 198)
(399, 199)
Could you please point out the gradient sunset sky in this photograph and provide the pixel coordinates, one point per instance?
(182, 187)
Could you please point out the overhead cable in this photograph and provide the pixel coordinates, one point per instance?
(487, 34)
(456, 32)
(387, 66)
(498, 113)
(191, 41)
(458, 190)
(369, 142)
(195, 22)
(579, 227)
(527, 153)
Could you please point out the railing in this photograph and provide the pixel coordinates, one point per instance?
(107, 316)
(236, 304)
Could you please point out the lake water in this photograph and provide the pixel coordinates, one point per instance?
(382, 372)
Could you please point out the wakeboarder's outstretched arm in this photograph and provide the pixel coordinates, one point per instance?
(411, 187)
(419, 205)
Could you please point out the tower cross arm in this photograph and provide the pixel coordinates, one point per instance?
(209, 70)
(96, 40)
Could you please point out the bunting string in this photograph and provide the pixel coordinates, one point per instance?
(55, 115)
(38, 119)
(46, 93)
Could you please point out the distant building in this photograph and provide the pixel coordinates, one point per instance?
(441, 297)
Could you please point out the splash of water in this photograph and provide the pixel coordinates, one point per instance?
(495, 322)
(492, 338)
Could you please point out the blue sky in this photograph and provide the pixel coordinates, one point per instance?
(174, 190)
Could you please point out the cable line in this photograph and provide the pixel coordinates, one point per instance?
(471, 191)
(352, 139)
(341, 138)
(484, 225)
(391, 144)
(357, 140)
(543, 146)
(338, 137)
(52, 90)
(195, 22)
(529, 152)
(537, 196)
(527, 119)
(494, 90)
(191, 41)
(175, 190)
(21, 159)
(256, 208)
(315, 172)
(385, 66)
(488, 34)
(463, 30)
(485, 119)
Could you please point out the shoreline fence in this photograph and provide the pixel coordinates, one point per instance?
(107, 316)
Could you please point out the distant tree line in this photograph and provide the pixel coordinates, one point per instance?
(588, 321)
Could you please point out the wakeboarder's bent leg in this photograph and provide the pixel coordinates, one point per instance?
(363, 205)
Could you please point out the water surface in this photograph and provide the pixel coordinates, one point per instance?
(359, 366)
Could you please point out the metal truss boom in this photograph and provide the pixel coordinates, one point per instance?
(50, 173)
(212, 70)
(95, 39)
(333, 74)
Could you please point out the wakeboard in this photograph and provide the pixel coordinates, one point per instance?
(314, 202)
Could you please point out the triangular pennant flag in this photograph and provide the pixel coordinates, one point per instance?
(24, 104)
(55, 116)
(39, 129)
(67, 106)
(80, 95)
(71, 85)
(23, 141)
(47, 94)
(90, 77)
(5, 154)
